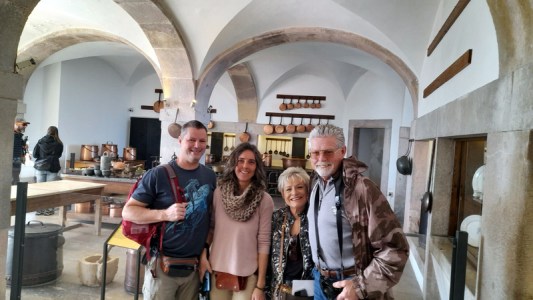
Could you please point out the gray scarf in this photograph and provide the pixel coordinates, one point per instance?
(242, 207)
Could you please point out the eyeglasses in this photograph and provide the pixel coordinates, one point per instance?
(326, 153)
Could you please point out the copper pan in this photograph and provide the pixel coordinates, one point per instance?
(301, 127)
(174, 129)
(291, 128)
(269, 128)
(280, 128)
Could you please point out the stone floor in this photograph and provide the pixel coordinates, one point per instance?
(81, 242)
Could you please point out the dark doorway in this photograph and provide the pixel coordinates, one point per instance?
(145, 135)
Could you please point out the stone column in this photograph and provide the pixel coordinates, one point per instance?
(507, 231)
(10, 91)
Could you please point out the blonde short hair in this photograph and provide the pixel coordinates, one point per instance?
(292, 172)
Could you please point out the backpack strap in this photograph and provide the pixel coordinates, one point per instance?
(178, 195)
(176, 189)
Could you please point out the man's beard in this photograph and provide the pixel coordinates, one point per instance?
(324, 170)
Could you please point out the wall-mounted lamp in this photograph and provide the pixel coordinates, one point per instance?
(211, 110)
(193, 102)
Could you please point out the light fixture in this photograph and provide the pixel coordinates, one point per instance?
(193, 102)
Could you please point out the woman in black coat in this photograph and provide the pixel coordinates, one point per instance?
(47, 153)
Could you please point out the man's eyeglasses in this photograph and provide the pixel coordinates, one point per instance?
(326, 153)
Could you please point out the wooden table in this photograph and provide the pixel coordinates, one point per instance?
(113, 186)
(59, 194)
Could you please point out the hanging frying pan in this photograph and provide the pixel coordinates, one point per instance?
(291, 128)
(283, 106)
(309, 127)
(174, 129)
(404, 163)
(301, 127)
(269, 129)
(427, 199)
(245, 136)
(280, 128)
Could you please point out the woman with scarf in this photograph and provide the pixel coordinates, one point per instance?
(240, 228)
(290, 252)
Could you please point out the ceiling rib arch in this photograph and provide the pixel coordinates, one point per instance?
(228, 58)
(44, 47)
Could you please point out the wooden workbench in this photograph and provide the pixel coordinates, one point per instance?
(59, 194)
(113, 186)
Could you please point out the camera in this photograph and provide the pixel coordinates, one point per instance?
(331, 292)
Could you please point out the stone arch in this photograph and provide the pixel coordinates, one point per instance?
(52, 43)
(243, 82)
(225, 60)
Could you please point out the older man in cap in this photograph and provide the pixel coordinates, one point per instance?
(20, 148)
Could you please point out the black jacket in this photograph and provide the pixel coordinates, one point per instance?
(48, 147)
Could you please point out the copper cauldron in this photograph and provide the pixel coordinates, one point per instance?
(88, 152)
(129, 153)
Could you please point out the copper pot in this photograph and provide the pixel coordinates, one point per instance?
(110, 148)
(88, 152)
(294, 162)
(129, 153)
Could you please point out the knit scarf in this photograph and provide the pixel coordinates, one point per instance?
(242, 207)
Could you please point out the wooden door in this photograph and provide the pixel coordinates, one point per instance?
(145, 135)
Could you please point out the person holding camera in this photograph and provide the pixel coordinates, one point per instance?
(173, 271)
(358, 246)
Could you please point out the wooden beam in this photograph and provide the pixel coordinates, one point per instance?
(298, 116)
(454, 15)
(462, 62)
(301, 97)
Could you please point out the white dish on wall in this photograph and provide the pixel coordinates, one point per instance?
(472, 225)
(477, 183)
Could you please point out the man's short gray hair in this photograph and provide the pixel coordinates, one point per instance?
(328, 130)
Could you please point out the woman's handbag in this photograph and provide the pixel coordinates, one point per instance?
(42, 164)
(226, 281)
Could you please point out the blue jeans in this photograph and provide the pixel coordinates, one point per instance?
(319, 295)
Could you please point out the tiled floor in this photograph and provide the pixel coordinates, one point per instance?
(81, 242)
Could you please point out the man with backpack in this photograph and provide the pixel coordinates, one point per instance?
(172, 270)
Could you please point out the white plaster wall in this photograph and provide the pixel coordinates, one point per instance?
(379, 98)
(224, 100)
(92, 105)
(473, 29)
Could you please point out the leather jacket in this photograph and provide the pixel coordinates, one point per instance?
(380, 246)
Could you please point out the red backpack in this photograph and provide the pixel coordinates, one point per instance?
(143, 233)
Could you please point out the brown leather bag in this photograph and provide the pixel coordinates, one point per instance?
(178, 267)
(226, 281)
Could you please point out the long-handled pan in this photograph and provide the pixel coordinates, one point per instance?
(174, 129)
